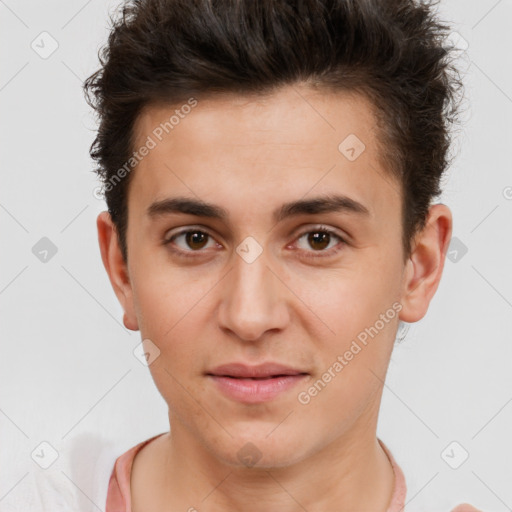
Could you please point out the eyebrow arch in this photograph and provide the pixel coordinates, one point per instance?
(199, 208)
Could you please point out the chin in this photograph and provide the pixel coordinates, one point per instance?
(263, 451)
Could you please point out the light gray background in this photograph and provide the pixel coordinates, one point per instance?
(68, 373)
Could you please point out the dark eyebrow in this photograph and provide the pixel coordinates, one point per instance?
(321, 204)
(199, 208)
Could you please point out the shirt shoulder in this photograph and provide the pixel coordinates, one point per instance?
(398, 500)
(118, 494)
(466, 507)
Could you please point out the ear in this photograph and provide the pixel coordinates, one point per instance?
(116, 268)
(425, 266)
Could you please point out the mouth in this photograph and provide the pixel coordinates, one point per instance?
(257, 378)
(256, 384)
(259, 372)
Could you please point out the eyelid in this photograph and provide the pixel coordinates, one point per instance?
(319, 227)
(184, 229)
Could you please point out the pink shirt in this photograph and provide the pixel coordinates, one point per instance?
(119, 498)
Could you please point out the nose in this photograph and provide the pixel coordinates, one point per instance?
(254, 299)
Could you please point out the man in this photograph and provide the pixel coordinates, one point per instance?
(269, 169)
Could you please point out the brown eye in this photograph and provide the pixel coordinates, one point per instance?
(318, 240)
(196, 239)
(192, 240)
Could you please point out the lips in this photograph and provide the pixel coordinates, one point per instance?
(253, 385)
(263, 371)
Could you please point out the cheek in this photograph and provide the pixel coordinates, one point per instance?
(349, 383)
(166, 296)
(361, 311)
(182, 345)
(339, 304)
(171, 323)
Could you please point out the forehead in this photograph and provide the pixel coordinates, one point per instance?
(278, 118)
(285, 143)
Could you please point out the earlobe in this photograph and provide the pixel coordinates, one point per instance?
(425, 266)
(130, 322)
(116, 268)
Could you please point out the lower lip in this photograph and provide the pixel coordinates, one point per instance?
(251, 391)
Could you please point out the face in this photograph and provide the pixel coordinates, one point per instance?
(270, 270)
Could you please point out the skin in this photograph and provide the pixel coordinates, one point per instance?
(250, 155)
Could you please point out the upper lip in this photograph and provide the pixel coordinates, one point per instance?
(246, 371)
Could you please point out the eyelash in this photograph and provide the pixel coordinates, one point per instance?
(307, 255)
